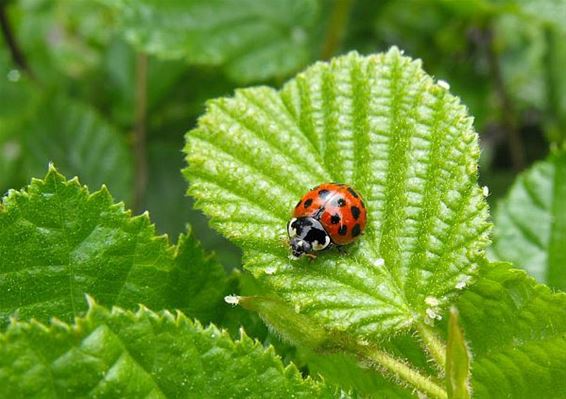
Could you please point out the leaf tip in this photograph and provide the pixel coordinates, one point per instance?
(52, 174)
(443, 84)
(60, 324)
(51, 168)
(91, 302)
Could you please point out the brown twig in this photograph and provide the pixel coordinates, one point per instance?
(140, 155)
(336, 28)
(16, 53)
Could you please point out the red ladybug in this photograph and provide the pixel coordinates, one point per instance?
(329, 214)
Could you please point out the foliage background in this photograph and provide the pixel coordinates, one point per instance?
(77, 62)
(502, 60)
(101, 89)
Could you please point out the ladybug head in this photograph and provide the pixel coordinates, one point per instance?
(306, 235)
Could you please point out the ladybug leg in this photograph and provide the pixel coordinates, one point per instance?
(311, 257)
(342, 250)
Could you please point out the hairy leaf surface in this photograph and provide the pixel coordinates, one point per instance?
(117, 353)
(516, 330)
(380, 124)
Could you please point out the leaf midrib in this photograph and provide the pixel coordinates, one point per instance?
(124, 351)
(398, 142)
(69, 246)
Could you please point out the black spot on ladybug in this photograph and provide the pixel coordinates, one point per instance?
(355, 194)
(323, 193)
(356, 230)
(340, 202)
(298, 203)
(308, 203)
(355, 212)
(335, 219)
(344, 229)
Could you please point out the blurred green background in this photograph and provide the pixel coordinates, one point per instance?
(107, 89)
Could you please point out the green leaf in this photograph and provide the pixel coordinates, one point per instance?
(198, 281)
(550, 12)
(80, 142)
(54, 128)
(17, 102)
(457, 360)
(122, 354)
(532, 54)
(81, 29)
(292, 326)
(254, 40)
(166, 186)
(348, 372)
(59, 242)
(380, 124)
(521, 52)
(530, 223)
(516, 330)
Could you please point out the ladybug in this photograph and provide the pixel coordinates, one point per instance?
(331, 214)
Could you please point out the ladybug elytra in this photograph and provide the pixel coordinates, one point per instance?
(331, 214)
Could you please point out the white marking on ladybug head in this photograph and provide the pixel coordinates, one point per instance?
(317, 246)
(290, 229)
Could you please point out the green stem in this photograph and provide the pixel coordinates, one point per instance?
(336, 28)
(403, 371)
(434, 346)
(300, 330)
